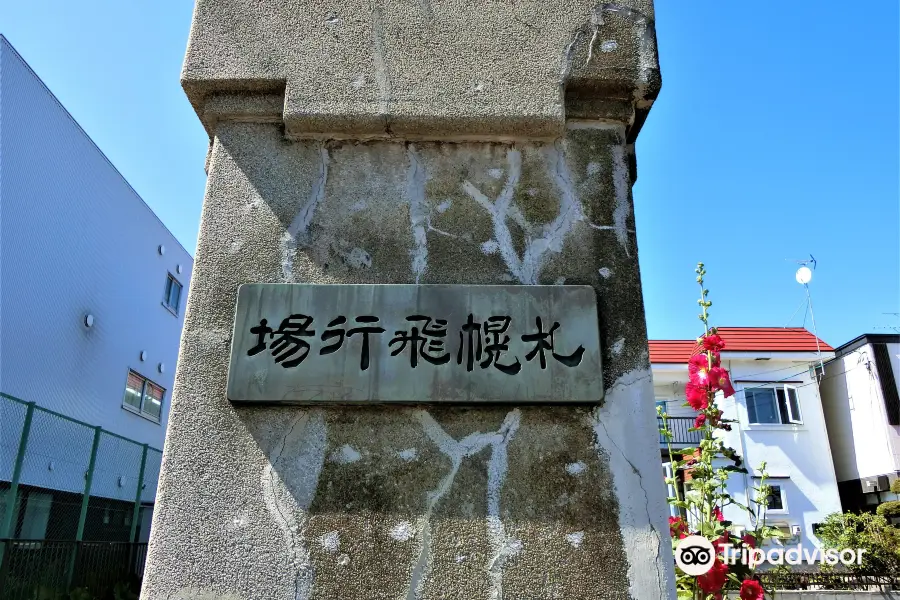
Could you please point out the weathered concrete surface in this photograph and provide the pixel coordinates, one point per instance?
(425, 68)
(415, 502)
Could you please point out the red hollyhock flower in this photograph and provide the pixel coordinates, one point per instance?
(717, 514)
(751, 590)
(700, 421)
(677, 527)
(749, 540)
(699, 364)
(713, 343)
(713, 580)
(719, 380)
(697, 396)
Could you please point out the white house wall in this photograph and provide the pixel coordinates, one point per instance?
(862, 442)
(75, 239)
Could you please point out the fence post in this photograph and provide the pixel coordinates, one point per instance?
(89, 478)
(137, 496)
(6, 526)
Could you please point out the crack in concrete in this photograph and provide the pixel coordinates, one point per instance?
(289, 504)
(299, 226)
(608, 440)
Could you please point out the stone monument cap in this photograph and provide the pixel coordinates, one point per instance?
(422, 69)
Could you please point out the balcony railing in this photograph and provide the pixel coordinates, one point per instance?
(682, 435)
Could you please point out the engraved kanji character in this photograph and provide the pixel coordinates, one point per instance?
(365, 331)
(290, 344)
(542, 345)
(433, 334)
(472, 331)
(495, 346)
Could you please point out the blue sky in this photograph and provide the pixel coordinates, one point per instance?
(775, 136)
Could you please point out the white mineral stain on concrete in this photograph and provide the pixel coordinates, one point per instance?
(409, 454)
(358, 82)
(345, 455)
(289, 482)
(444, 206)
(576, 468)
(344, 560)
(495, 173)
(604, 272)
(608, 46)
(358, 206)
(637, 484)
(575, 539)
(418, 211)
(490, 247)
(357, 258)
(560, 281)
(378, 58)
(297, 230)
(539, 241)
(460, 558)
(331, 541)
(402, 531)
(456, 451)
(617, 346)
(593, 168)
(621, 187)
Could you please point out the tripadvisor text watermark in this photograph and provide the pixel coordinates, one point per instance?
(695, 555)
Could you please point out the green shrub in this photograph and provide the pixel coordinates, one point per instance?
(895, 487)
(889, 509)
(866, 531)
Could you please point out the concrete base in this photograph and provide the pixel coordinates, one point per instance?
(413, 502)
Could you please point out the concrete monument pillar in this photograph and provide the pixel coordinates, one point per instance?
(415, 142)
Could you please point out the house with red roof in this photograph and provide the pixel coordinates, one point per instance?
(777, 418)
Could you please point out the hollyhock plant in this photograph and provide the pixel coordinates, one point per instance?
(751, 590)
(707, 467)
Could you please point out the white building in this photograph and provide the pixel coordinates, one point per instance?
(92, 297)
(779, 420)
(862, 409)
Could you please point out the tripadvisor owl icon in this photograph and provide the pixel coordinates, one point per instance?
(694, 555)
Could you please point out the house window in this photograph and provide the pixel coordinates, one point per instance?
(773, 404)
(661, 406)
(173, 294)
(143, 396)
(777, 500)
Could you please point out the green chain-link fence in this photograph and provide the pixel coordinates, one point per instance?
(75, 504)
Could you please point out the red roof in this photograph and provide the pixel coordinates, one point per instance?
(741, 339)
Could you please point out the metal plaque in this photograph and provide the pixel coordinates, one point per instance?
(299, 343)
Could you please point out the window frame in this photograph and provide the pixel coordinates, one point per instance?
(787, 390)
(141, 412)
(776, 482)
(171, 279)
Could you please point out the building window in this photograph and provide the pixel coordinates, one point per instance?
(173, 294)
(777, 499)
(661, 406)
(143, 396)
(773, 405)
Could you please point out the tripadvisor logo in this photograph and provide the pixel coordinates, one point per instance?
(695, 555)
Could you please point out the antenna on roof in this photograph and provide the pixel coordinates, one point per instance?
(804, 276)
